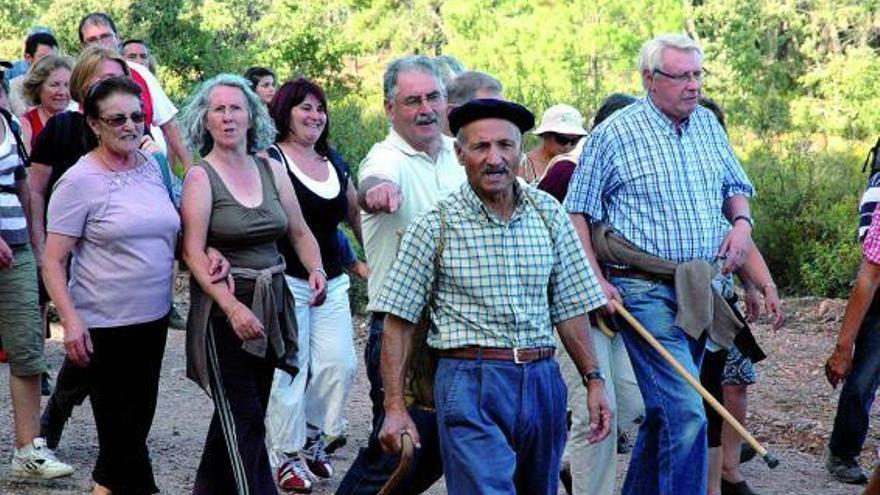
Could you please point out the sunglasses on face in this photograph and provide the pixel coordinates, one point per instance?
(119, 120)
(564, 140)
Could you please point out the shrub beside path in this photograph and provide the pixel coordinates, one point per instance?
(791, 409)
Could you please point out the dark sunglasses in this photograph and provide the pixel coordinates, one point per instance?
(565, 140)
(119, 120)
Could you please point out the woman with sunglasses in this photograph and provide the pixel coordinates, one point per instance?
(562, 126)
(111, 210)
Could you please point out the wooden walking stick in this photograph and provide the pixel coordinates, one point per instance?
(406, 456)
(771, 460)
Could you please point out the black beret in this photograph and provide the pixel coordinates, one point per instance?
(491, 108)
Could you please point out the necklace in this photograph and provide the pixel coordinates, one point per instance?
(124, 168)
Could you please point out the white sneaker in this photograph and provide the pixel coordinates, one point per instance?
(35, 460)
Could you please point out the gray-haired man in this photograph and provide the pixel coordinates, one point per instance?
(402, 177)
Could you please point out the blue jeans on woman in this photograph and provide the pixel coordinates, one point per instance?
(859, 388)
(670, 456)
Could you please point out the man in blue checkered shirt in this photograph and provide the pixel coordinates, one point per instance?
(662, 173)
(508, 268)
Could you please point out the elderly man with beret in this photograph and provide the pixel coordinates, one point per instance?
(509, 267)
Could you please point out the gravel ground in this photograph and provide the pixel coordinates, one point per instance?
(791, 410)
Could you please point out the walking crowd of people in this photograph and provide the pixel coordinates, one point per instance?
(484, 263)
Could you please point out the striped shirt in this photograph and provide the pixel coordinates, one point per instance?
(13, 225)
(499, 283)
(660, 187)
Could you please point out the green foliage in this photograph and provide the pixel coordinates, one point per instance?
(794, 75)
(807, 213)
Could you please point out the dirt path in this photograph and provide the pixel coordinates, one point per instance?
(792, 411)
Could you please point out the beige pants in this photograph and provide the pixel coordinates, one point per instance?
(594, 466)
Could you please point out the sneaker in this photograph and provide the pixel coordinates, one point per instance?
(35, 460)
(176, 320)
(845, 470)
(4, 356)
(316, 458)
(334, 443)
(293, 476)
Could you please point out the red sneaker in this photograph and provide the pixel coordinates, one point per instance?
(293, 476)
(4, 356)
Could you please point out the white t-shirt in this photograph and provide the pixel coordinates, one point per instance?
(163, 109)
(422, 182)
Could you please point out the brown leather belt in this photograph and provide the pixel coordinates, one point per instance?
(611, 271)
(518, 355)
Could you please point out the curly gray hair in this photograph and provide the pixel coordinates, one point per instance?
(261, 133)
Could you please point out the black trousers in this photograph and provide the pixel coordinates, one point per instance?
(234, 460)
(373, 467)
(124, 387)
(710, 378)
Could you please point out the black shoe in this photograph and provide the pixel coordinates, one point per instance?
(740, 488)
(334, 443)
(565, 478)
(624, 445)
(845, 470)
(46, 385)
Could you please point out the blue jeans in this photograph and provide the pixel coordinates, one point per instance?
(857, 394)
(502, 425)
(372, 467)
(670, 456)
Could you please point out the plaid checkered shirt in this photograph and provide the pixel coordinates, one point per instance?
(661, 188)
(499, 283)
(871, 246)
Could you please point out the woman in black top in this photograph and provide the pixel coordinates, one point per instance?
(302, 418)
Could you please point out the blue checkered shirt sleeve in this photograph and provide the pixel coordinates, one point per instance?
(592, 177)
(407, 286)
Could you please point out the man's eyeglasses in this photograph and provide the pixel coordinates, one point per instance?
(416, 100)
(120, 119)
(100, 37)
(565, 140)
(696, 75)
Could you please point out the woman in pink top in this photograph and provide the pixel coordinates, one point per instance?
(112, 212)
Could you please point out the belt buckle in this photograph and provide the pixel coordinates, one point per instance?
(516, 358)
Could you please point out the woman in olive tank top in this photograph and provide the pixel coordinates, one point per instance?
(239, 331)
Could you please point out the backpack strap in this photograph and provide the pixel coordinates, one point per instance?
(15, 130)
(873, 159)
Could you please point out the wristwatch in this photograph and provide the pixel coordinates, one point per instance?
(750, 220)
(596, 374)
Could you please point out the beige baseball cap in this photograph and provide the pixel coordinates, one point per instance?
(562, 119)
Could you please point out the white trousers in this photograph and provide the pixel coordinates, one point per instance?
(316, 397)
(594, 466)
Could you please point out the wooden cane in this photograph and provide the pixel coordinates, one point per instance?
(603, 327)
(406, 457)
(771, 460)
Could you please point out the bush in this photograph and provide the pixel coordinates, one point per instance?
(807, 212)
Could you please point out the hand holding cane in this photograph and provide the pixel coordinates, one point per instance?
(768, 457)
(406, 456)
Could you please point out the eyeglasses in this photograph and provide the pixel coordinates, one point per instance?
(565, 140)
(696, 75)
(120, 119)
(100, 37)
(415, 101)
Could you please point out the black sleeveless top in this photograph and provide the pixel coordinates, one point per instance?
(321, 214)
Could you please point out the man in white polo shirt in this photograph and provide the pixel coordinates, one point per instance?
(402, 177)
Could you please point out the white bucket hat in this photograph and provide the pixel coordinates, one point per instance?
(562, 119)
